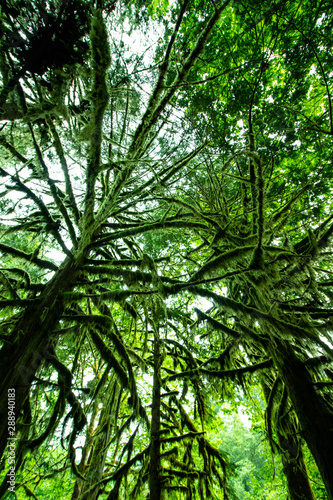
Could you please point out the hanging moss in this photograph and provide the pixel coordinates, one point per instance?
(99, 43)
(104, 240)
(238, 372)
(79, 417)
(224, 357)
(184, 437)
(114, 296)
(19, 303)
(126, 379)
(57, 413)
(280, 327)
(222, 261)
(44, 264)
(217, 325)
(125, 468)
(269, 412)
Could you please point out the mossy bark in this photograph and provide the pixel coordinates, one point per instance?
(98, 448)
(295, 471)
(291, 452)
(155, 445)
(315, 419)
(21, 357)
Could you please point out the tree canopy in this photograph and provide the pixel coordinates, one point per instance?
(165, 239)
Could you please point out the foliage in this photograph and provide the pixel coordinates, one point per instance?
(256, 472)
(165, 245)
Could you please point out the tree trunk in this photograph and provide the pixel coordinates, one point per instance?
(294, 468)
(155, 459)
(85, 490)
(21, 357)
(315, 419)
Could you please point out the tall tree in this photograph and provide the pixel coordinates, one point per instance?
(80, 221)
(116, 200)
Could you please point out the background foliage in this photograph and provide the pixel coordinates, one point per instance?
(165, 248)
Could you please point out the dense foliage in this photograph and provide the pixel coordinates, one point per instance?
(166, 249)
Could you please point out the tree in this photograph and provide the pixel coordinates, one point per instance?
(42, 310)
(154, 202)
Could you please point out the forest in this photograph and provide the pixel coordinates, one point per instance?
(166, 223)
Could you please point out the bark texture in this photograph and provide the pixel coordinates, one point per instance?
(155, 460)
(294, 468)
(315, 419)
(97, 448)
(28, 346)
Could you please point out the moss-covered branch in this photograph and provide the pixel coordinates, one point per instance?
(51, 225)
(146, 228)
(217, 325)
(99, 96)
(157, 107)
(64, 166)
(56, 193)
(220, 374)
(28, 257)
(221, 261)
(280, 326)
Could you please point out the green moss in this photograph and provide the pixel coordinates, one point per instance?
(99, 43)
